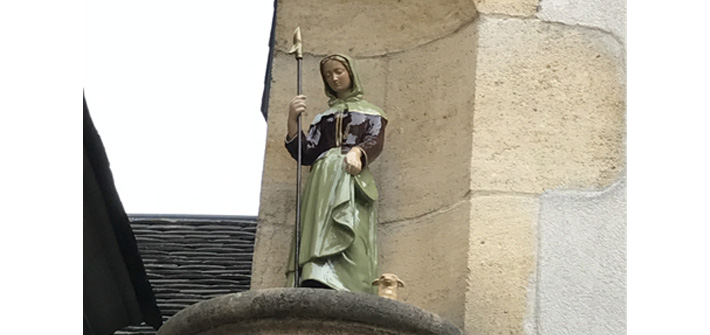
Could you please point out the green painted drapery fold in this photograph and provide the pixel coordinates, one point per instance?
(338, 241)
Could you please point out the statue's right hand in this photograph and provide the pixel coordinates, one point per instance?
(297, 106)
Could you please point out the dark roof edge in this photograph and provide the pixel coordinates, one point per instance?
(269, 61)
(190, 217)
(128, 247)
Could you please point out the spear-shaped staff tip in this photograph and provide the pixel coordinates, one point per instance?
(297, 46)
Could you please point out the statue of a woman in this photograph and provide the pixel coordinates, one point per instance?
(338, 215)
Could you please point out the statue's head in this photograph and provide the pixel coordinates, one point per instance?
(336, 74)
(339, 77)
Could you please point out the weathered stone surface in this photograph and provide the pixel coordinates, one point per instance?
(582, 267)
(550, 107)
(304, 311)
(425, 164)
(428, 254)
(501, 261)
(607, 15)
(271, 249)
(507, 7)
(369, 27)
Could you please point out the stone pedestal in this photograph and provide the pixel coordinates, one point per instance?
(304, 311)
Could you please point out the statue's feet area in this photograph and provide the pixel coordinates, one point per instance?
(304, 311)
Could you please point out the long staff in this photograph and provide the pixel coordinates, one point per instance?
(297, 48)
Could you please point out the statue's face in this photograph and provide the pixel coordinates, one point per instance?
(337, 77)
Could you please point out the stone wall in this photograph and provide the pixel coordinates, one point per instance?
(493, 106)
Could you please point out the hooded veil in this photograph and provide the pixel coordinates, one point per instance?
(353, 101)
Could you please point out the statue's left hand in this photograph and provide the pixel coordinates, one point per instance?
(353, 164)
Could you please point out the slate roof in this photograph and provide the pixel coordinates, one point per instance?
(193, 258)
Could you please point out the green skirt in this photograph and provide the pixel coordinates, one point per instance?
(338, 227)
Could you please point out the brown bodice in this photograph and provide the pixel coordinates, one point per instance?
(356, 129)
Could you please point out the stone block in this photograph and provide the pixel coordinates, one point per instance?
(429, 255)
(550, 107)
(607, 15)
(582, 267)
(501, 261)
(271, 248)
(426, 162)
(507, 7)
(368, 27)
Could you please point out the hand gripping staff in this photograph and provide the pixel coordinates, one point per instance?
(297, 48)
